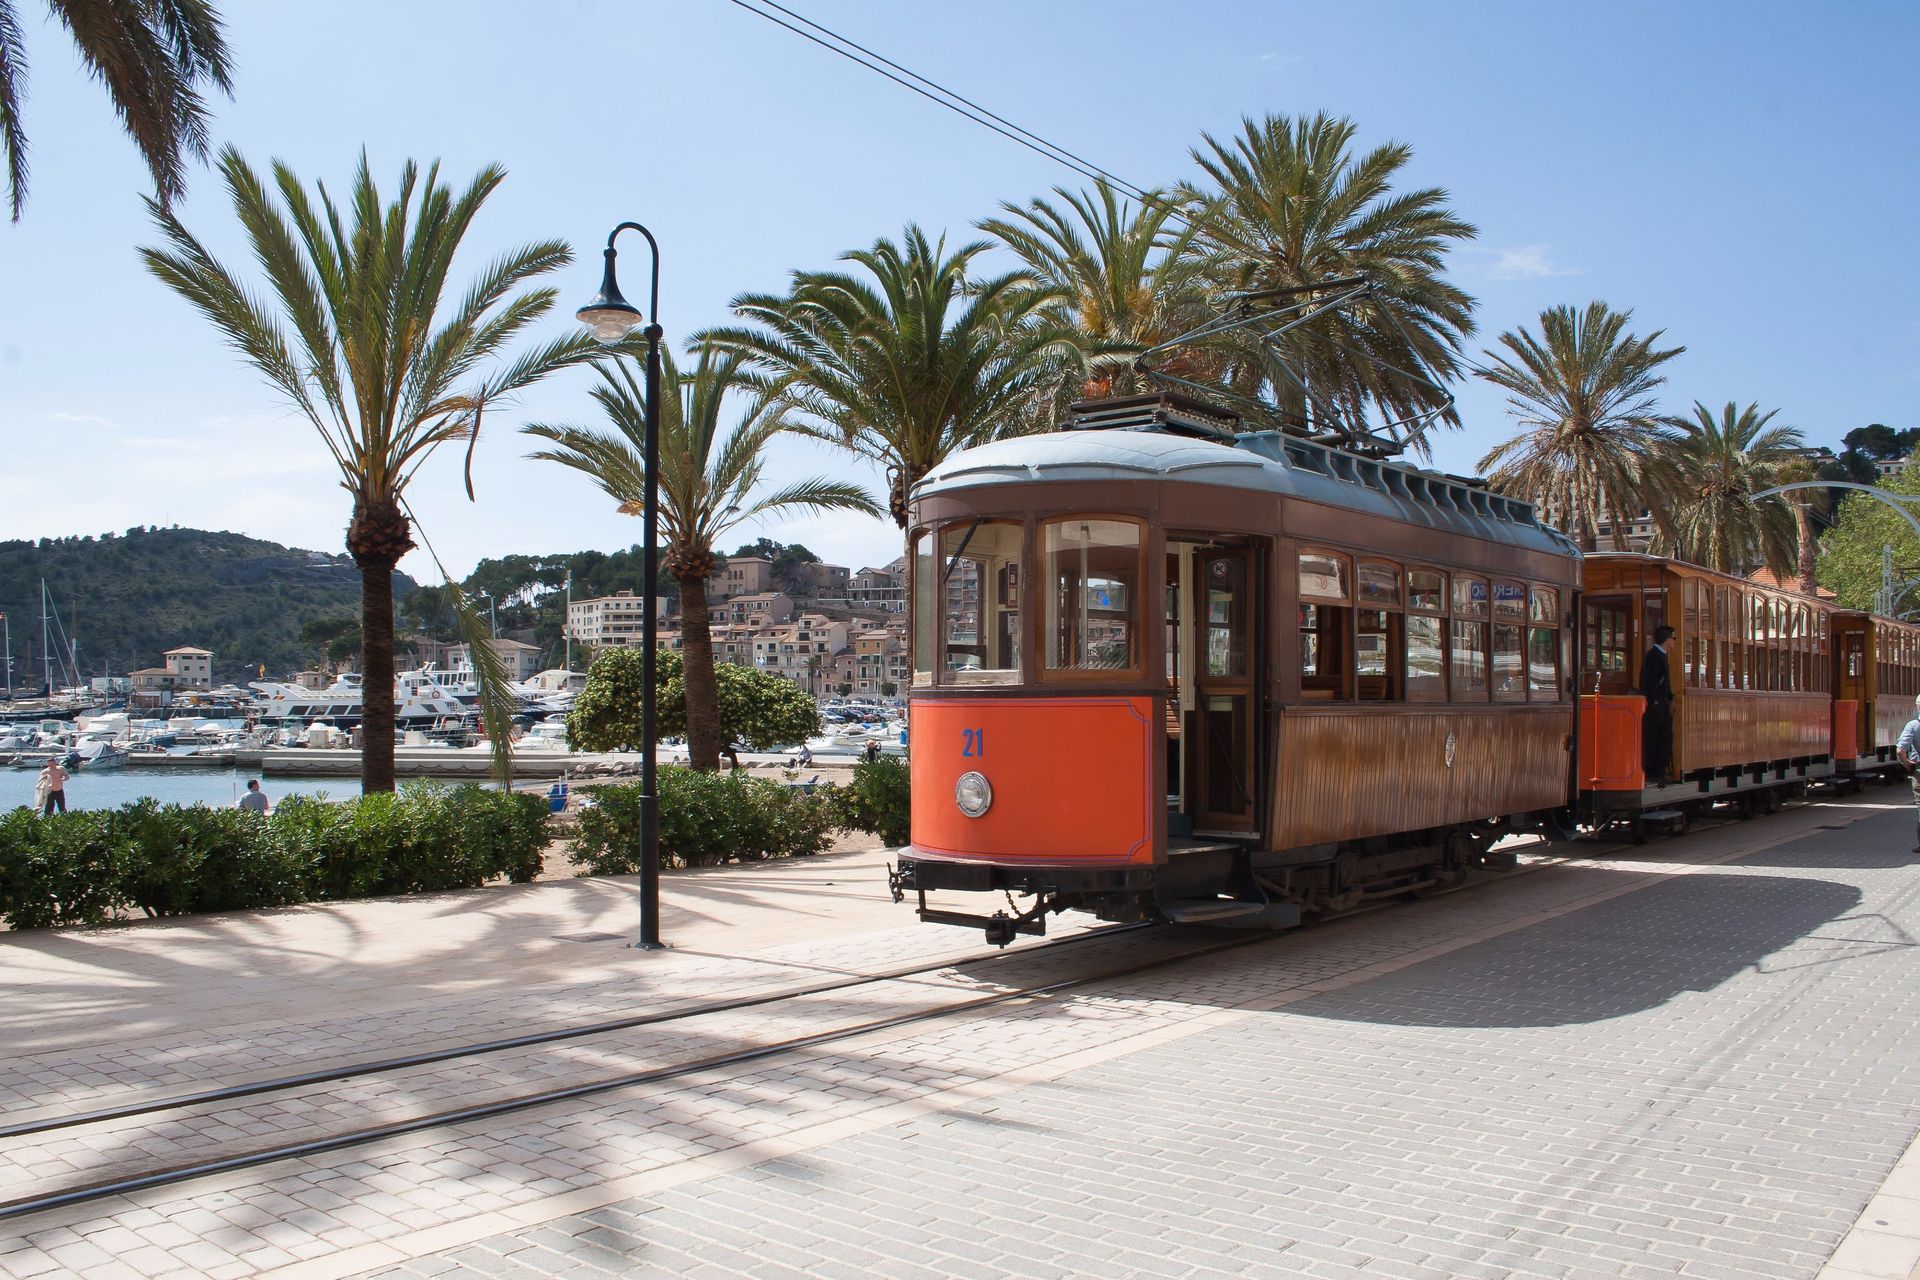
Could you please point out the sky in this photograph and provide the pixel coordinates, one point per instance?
(1740, 175)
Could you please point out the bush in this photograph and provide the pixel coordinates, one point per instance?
(705, 819)
(878, 799)
(63, 870)
(84, 867)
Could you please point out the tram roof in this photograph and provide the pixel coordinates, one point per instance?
(1267, 461)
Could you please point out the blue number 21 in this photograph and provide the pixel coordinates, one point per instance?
(973, 742)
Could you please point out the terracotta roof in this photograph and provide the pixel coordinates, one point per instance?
(1767, 578)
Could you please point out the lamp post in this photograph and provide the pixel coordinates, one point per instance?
(611, 318)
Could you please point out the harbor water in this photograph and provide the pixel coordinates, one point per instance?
(220, 788)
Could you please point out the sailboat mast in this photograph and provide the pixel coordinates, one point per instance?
(46, 651)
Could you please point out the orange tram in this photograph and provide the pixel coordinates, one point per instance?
(1165, 669)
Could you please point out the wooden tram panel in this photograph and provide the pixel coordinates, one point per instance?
(1349, 773)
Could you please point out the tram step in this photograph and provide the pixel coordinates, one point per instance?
(1663, 819)
(1206, 910)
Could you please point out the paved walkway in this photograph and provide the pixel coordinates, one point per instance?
(1697, 1060)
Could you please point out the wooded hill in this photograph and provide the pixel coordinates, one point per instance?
(127, 598)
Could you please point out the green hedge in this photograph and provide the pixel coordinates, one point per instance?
(877, 800)
(86, 867)
(710, 818)
(705, 819)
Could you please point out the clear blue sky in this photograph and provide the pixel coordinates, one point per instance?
(1740, 174)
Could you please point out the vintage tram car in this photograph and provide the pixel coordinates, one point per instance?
(1165, 669)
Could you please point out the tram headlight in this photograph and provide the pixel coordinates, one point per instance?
(973, 793)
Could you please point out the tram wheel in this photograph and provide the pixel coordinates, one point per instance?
(1746, 805)
(1770, 800)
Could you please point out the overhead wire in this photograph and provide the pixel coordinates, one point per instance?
(939, 94)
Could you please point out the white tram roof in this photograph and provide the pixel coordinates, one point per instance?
(1267, 461)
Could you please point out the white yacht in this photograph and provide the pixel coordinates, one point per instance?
(419, 699)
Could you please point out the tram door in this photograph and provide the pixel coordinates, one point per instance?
(1224, 594)
(1852, 684)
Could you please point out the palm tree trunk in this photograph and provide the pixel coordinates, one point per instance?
(377, 538)
(1803, 522)
(376, 678)
(703, 688)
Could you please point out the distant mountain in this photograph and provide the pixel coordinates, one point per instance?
(128, 598)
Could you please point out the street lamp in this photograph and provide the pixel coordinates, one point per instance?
(611, 318)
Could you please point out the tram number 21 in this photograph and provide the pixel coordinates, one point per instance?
(973, 743)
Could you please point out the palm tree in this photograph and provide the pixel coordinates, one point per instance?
(1723, 462)
(360, 348)
(1593, 447)
(709, 484)
(1291, 206)
(910, 365)
(1807, 505)
(153, 58)
(1123, 275)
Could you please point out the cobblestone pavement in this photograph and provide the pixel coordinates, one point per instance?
(1694, 1061)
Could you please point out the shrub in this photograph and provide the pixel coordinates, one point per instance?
(83, 867)
(705, 819)
(62, 870)
(878, 799)
(182, 858)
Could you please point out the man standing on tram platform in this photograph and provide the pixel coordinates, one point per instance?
(1909, 752)
(1656, 726)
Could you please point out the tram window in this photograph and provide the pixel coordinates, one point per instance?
(1469, 597)
(1543, 664)
(1092, 591)
(1469, 660)
(1224, 621)
(1509, 663)
(1606, 651)
(980, 601)
(1379, 586)
(1323, 577)
(1467, 640)
(1376, 664)
(925, 578)
(1543, 645)
(1323, 652)
(1426, 659)
(1426, 590)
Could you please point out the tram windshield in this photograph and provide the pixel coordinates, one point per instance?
(980, 598)
(1091, 583)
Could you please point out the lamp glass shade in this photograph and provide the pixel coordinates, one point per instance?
(610, 320)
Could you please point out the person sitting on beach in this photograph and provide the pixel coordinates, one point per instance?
(255, 799)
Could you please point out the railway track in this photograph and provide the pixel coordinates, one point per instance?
(106, 1129)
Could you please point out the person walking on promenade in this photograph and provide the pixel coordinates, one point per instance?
(1908, 750)
(1656, 728)
(255, 799)
(51, 788)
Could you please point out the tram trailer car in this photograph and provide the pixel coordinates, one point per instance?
(1876, 676)
(1164, 669)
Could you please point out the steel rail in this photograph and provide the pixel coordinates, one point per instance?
(19, 1208)
(228, 1093)
(23, 1207)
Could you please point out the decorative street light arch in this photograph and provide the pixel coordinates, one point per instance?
(1887, 496)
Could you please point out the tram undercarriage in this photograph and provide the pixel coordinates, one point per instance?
(1228, 884)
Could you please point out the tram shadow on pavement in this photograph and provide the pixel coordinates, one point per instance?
(1623, 956)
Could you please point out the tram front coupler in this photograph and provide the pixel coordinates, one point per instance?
(900, 879)
(1000, 927)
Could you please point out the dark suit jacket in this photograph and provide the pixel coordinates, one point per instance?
(1654, 682)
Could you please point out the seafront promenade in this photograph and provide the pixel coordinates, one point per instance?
(1695, 1058)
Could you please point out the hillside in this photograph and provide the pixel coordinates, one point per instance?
(127, 598)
